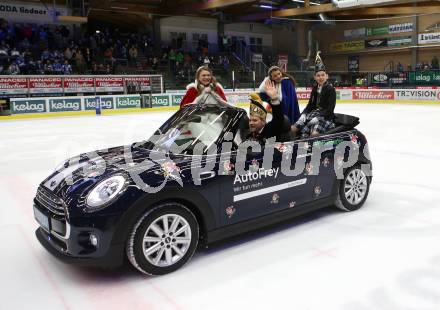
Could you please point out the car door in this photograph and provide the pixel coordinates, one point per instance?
(324, 147)
(261, 189)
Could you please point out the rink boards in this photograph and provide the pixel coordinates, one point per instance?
(114, 104)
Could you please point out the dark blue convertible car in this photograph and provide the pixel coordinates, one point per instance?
(196, 181)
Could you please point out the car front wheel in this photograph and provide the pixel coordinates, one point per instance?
(163, 239)
(353, 189)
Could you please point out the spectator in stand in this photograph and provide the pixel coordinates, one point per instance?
(19, 61)
(4, 51)
(95, 69)
(133, 53)
(66, 68)
(108, 54)
(39, 67)
(48, 69)
(14, 53)
(155, 63)
(399, 67)
(88, 57)
(108, 69)
(57, 67)
(434, 63)
(206, 61)
(425, 66)
(172, 59)
(68, 53)
(46, 55)
(79, 61)
(204, 82)
(179, 60)
(13, 69)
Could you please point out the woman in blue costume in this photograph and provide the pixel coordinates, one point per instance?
(285, 85)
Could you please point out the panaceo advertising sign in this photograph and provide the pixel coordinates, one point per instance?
(28, 106)
(79, 85)
(303, 95)
(109, 84)
(13, 85)
(126, 102)
(65, 105)
(45, 85)
(141, 83)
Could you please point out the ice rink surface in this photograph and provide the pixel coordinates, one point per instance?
(384, 256)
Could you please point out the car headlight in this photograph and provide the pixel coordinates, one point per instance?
(105, 191)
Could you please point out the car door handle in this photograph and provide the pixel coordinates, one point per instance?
(206, 175)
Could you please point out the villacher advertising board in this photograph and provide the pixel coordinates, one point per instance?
(373, 95)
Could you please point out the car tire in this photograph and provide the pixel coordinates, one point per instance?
(353, 189)
(163, 239)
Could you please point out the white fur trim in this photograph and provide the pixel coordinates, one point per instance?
(191, 85)
(262, 88)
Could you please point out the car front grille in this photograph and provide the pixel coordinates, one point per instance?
(52, 203)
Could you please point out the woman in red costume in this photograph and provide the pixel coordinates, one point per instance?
(205, 83)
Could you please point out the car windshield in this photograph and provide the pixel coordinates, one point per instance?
(189, 128)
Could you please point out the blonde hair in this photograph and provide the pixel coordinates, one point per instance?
(198, 72)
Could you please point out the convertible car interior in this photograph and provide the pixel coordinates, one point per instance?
(343, 122)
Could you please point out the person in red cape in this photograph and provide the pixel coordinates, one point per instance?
(205, 82)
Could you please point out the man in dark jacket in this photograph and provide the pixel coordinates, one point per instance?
(318, 117)
(259, 128)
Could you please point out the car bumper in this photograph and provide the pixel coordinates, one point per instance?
(113, 257)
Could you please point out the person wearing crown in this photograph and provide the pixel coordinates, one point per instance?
(285, 87)
(318, 116)
(205, 82)
(259, 128)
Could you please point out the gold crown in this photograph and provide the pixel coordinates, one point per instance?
(256, 107)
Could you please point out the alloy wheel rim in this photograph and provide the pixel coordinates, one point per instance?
(166, 240)
(355, 186)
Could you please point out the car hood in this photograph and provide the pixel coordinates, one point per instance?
(84, 171)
